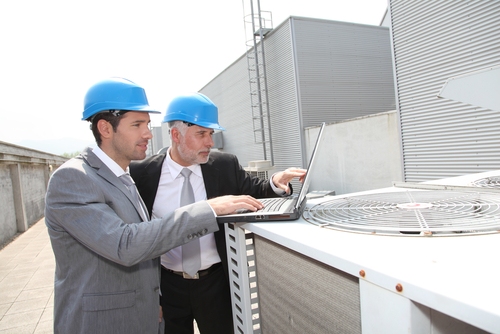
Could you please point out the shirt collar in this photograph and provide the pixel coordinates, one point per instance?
(175, 168)
(110, 163)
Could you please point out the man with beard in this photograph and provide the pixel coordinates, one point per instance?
(204, 294)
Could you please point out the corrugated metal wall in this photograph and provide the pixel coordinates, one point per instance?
(286, 128)
(230, 92)
(433, 41)
(344, 70)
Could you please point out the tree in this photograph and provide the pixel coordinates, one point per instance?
(70, 155)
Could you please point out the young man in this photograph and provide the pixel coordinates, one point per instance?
(204, 296)
(106, 248)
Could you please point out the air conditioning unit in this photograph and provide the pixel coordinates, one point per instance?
(412, 258)
(259, 168)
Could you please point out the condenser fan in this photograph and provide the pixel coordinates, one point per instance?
(487, 182)
(411, 213)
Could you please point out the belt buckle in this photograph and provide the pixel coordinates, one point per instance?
(187, 276)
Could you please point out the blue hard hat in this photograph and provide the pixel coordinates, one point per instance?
(115, 94)
(193, 108)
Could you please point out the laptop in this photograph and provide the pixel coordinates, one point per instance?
(280, 208)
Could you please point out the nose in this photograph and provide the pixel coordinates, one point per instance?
(210, 142)
(148, 134)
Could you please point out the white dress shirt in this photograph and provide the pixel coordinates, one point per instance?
(110, 163)
(168, 199)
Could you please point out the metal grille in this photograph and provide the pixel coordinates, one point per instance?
(487, 182)
(298, 294)
(411, 213)
(243, 280)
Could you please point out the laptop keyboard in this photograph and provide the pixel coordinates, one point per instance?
(272, 204)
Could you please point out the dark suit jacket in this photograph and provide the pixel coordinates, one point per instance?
(222, 175)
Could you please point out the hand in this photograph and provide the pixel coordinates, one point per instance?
(282, 179)
(161, 314)
(224, 205)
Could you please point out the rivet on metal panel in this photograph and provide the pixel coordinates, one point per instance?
(399, 287)
(362, 273)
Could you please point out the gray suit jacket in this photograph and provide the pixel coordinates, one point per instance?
(107, 266)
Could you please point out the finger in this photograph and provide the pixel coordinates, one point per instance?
(254, 202)
(251, 203)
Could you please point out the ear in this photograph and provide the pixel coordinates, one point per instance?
(175, 135)
(105, 129)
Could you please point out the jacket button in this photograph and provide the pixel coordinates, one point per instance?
(190, 236)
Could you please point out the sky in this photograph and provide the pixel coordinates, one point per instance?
(52, 51)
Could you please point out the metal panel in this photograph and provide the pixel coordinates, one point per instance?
(344, 70)
(243, 279)
(432, 42)
(298, 294)
(479, 88)
(230, 92)
(286, 127)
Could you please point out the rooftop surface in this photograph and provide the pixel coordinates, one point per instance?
(27, 267)
(27, 283)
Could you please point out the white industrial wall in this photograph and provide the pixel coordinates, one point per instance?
(349, 162)
(433, 41)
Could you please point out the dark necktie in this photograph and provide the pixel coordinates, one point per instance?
(191, 258)
(127, 181)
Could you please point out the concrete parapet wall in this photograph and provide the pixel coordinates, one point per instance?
(358, 154)
(24, 174)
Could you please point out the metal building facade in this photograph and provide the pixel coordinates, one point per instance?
(347, 75)
(229, 91)
(433, 41)
(317, 71)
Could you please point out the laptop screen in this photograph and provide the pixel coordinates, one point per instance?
(308, 177)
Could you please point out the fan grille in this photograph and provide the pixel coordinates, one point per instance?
(411, 213)
(487, 182)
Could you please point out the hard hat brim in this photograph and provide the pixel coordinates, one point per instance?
(137, 108)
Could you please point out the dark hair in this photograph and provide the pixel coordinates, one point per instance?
(111, 116)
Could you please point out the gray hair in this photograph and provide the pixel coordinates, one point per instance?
(179, 125)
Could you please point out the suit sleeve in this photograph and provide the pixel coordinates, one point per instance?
(99, 216)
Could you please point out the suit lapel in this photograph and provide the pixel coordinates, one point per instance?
(147, 178)
(210, 178)
(103, 171)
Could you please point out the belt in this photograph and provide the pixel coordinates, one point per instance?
(199, 274)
